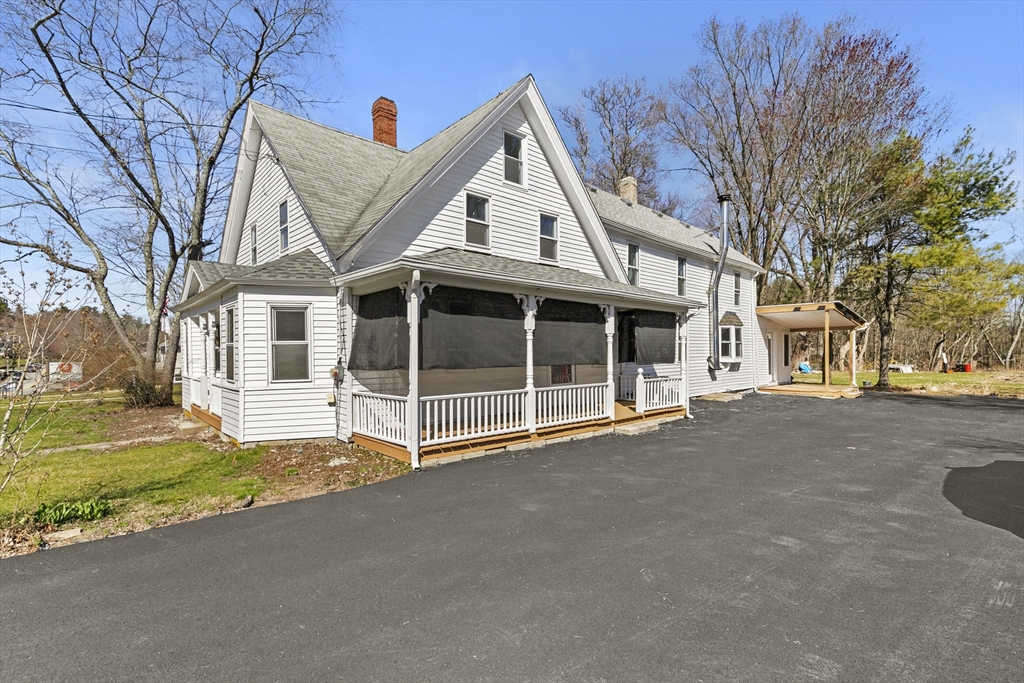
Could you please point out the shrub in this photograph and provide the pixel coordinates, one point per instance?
(67, 511)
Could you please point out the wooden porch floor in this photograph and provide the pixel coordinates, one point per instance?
(624, 414)
(818, 390)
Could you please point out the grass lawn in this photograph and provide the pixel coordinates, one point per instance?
(985, 383)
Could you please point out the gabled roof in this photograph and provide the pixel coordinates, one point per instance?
(630, 217)
(348, 183)
(298, 268)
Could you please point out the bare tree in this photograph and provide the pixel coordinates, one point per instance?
(739, 115)
(154, 92)
(616, 133)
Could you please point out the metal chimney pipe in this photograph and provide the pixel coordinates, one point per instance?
(715, 359)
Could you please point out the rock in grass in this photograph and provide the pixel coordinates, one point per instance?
(63, 535)
(243, 503)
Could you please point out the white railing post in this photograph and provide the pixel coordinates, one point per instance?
(609, 333)
(412, 408)
(641, 392)
(529, 302)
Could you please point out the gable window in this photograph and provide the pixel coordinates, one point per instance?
(252, 245)
(229, 344)
(736, 289)
(732, 343)
(478, 220)
(561, 374)
(282, 215)
(633, 264)
(513, 159)
(289, 344)
(785, 350)
(681, 276)
(548, 237)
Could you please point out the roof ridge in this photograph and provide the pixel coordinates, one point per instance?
(330, 128)
(661, 214)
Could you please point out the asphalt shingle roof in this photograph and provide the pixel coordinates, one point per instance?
(210, 272)
(487, 264)
(349, 183)
(302, 266)
(614, 209)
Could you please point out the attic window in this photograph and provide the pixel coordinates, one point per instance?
(478, 220)
(513, 158)
(282, 213)
(633, 264)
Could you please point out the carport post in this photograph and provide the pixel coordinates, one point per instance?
(853, 358)
(826, 365)
(609, 333)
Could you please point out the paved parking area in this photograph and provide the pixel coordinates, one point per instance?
(770, 539)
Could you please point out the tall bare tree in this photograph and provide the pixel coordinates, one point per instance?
(153, 92)
(616, 133)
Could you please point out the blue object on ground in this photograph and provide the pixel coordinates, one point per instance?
(804, 367)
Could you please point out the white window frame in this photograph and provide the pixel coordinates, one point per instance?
(466, 220)
(734, 342)
(307, 310)
(283, 226)
(541, 238)
(630, 268)
(681, 275)
(230, 359)
(216, 343)
(522, 160)
(252, 244)
(737, 281)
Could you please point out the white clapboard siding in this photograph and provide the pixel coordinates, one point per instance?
(270, 187)
(437, 220)
(287, 410)
(230, 414)
(186, 390)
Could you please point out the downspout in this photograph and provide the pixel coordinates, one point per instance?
(715, 359)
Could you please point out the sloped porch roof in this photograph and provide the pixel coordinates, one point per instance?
(810, 317)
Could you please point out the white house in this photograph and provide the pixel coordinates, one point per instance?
(469, 292)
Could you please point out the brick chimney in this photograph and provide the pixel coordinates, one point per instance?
(385, 121)
(627, 189)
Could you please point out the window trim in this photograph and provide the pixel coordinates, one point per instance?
(681, 279)
(271, 329)
(735, 343)
(252, 245)
(785, 350)
(635, 281)
(466, 219)
(230, 359)
(540, 236)
(215, 336)
(522, 161)
(283, 227)
(737, 280)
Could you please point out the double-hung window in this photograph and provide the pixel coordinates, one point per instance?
(252, 245)
(229, 343)
(731, 343)
(633, 264)
(478, 220)
(215, 323)
(736, 279)
(681, 276)
(282, 216)
(289, 343)
(514, 159)
(548, 237)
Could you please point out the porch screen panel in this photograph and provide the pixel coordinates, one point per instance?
(569, 333)
(381, 337)
(655, 337)
(469, 328)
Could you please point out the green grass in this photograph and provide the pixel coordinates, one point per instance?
(69, 424)
(1008, 384)
(174, 475)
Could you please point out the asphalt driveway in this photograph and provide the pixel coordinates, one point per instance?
(771, 539)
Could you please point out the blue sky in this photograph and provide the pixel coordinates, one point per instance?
(439, 60)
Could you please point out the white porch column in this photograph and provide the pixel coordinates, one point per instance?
(684, 333)
(681, 347)
(609, 333)
(853, 358)
(529, 302)
(412, 296)
(641, 392)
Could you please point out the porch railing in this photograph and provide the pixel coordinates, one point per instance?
(381, 417)
(655, 393)
(626, 388)
(571, 403)
(466, 416)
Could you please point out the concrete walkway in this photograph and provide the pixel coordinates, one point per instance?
(772, 539)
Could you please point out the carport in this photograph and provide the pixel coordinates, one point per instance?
(825, 317)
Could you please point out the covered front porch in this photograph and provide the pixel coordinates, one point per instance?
(447, 363)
